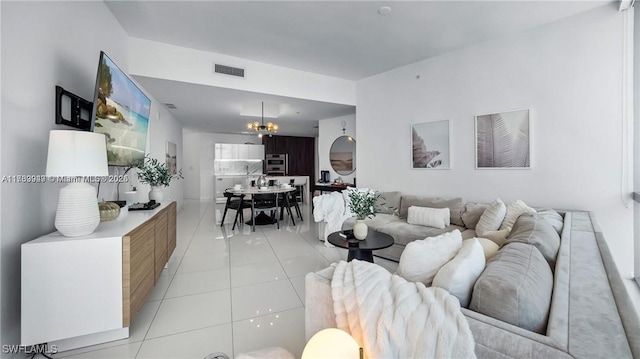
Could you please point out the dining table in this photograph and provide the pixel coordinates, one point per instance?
(262, 218)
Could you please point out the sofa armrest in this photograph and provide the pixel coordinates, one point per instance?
(318, 301)
(626, 308)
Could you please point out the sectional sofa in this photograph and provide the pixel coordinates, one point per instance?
(574, 297)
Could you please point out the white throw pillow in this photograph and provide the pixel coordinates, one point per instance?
(488, 246)
(492, 217)
(460, 274)
(514, 210)
(421, 259)
(429, 217)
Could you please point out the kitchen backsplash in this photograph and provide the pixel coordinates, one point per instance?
(237, 167)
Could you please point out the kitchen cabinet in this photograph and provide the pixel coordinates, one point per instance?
(235, 151)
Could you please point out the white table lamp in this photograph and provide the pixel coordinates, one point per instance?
(73, 155)
(332, 343)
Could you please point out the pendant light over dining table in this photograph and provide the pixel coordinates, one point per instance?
(262, 129)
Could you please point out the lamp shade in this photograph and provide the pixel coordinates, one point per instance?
(76, 153)
(331, 343)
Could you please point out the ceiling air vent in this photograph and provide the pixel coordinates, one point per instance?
(228, 70)
(171, 106)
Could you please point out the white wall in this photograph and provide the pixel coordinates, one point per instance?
(159, 60)
(164, 127)
(199, 155)
(569, 74)
(328, 130)
(636, 142)
(46, 44)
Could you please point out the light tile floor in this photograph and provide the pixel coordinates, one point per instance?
(226, 290)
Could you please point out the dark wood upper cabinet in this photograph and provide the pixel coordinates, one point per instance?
(301, 151)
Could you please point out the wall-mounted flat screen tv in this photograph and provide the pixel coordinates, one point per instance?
(121, 112)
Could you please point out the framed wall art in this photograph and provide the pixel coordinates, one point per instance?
(503, 140)
(431, 145)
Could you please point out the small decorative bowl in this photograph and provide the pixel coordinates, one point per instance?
(108, 211)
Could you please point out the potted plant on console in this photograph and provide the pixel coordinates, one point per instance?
(157, 175)
(363, 205)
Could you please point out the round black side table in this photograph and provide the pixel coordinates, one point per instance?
(362, 250)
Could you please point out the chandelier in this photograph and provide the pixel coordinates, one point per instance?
(268, 129)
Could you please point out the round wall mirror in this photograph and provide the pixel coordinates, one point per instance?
(343, 155)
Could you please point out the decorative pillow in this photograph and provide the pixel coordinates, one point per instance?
(488, 246)
(388, 202)
(421, 259)
(455, 205)
(515, 287)
(492, 218)
(514, 210)
(498, 237)
(429, 217)
(460, 274)
(472, 214)
(535, 230)
(554, 218)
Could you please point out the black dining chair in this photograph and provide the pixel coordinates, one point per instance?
(299, 193)
(266, 202)
(288, 200)
(235, 202)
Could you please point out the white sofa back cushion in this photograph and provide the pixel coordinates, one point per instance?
(421, 259)
(514, 210)
(491, 218)
(460, 274)
(429, 217)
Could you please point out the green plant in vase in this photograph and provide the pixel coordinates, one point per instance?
(363, 205)
(156, 174)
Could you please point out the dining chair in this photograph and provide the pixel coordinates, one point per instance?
(287, 201)
(299, 190)
(266, 202)
(235, 202)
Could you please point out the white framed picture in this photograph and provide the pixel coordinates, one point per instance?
(503, 140)
(431, 145)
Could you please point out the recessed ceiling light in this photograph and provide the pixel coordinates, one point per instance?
(384, 10)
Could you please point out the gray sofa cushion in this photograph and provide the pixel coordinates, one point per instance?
(553, 217)
(378, 221)
(388, 202)
(456, 206)
(515, 287)
(403, 233)
(535, 230)
(472, 213)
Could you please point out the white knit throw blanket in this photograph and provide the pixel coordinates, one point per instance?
(392, 318)
(330, 208)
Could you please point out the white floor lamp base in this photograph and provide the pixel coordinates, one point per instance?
(77, 213)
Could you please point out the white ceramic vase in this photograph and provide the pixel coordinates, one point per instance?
(360, 229)
(155, 194)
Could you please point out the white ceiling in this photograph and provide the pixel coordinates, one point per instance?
(214, 109)
(345, 39)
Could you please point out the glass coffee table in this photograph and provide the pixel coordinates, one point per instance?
(362, 250)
